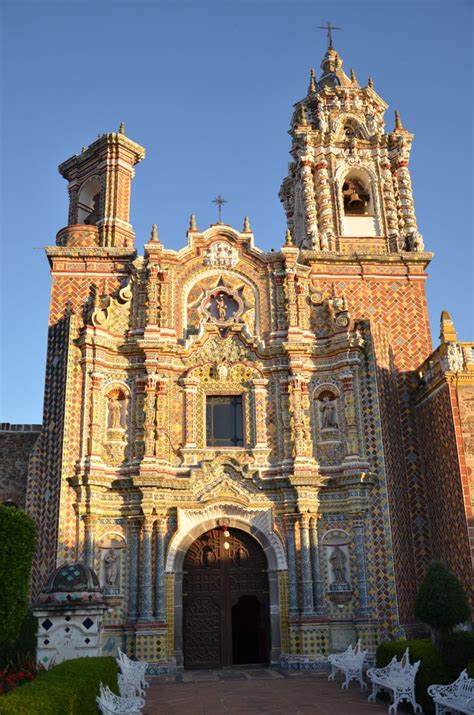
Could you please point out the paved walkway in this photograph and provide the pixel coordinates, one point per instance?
(259, 690)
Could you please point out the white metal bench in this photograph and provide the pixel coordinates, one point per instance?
(458, 697)
(132, 675)
(111, 704)
(398, 677)
(350, 662)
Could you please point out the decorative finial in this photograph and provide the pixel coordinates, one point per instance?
(398, 121)
(246, 228)
(353, 77)
(302, 121)
(122, 128)
(329, 28)
(447, 329)
(154, 234)
(288, 238)
(312, 81)
(192, 223)
(219, 201)
(370, 83)
(84, 148)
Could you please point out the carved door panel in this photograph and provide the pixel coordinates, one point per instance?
(225, 593)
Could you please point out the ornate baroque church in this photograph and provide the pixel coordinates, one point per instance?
(257, 453)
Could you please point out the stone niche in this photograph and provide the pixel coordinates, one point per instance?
(70, 615)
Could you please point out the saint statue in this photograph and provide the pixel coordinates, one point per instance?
(111, 567)
(115, 413)
(338, 564)
(221, 307)
(327, 411)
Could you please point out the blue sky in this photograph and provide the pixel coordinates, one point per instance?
(208, 87)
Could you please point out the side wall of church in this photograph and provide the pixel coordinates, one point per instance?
(449, 494)
(395, 304)
(16, 445)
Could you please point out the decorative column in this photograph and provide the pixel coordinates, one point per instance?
(391, 215)
(316, 568)
(160, 569)
(150, 416)
(89, 540)
(259, 397)
(95, 432)
(359, 537)
(162, 422)
(134, 540)
(292, 580)
(352, 437)
(324, 203)
(285, 419)
(190, 394)
(307, 581)
(310, 212)
(139, 410)
(146, 611)
(299, 402)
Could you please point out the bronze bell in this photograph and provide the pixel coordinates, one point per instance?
(356, 203)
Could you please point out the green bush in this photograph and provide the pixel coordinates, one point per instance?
(431, 670)
(441, 602)
(24, 646)
(17, 545)
(459, 652)
(69, 688)
(470, 669)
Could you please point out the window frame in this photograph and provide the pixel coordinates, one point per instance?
(243, 406)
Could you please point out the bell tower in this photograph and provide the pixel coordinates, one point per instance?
(348, 187)
(100, 179)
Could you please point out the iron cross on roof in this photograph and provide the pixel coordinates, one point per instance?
(329, 27)
(219, 201)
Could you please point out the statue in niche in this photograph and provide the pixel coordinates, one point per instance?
(338, 561)
(327, 411)
(221, 307)
(111, 567)
(115, 411)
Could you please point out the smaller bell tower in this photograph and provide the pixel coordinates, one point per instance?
(100, 179)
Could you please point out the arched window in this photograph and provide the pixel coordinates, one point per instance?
(88, 204)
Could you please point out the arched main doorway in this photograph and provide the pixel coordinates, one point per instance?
(225, 601)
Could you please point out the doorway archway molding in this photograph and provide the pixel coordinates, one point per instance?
(192, 523)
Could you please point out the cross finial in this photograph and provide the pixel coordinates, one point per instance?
(219, 201)
(329, 27)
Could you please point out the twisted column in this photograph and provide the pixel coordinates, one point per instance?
(327, 228)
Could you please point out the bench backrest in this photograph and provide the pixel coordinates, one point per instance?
(403, 668)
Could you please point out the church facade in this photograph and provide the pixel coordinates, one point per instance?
(257, 453)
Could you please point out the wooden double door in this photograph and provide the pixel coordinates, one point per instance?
(225, 601)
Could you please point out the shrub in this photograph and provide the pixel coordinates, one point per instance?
(17, 544)
(441, 602)
(431, 670)
(25, 645)
(69, 688)
(459, 652)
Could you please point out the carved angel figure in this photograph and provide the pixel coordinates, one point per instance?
(111, 567)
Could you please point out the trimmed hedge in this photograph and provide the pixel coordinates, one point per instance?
(459, 652)
(431, 670)
(69, 688)
(17, 545)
